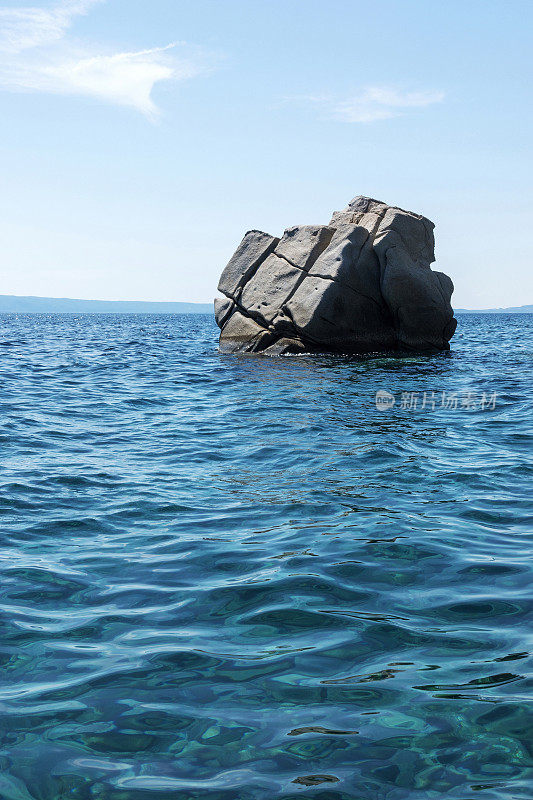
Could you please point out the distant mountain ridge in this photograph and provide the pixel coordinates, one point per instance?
(63, 305)
(511, 310)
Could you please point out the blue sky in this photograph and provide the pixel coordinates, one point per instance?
(140, 140)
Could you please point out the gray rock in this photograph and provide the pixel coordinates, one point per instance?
(240, 334)
(363, 283)
(273, 282)
(360, 211)
(285, 347)
(251, 252)
(223, 308)
(302, 244)
(351, 261)
(332, 316)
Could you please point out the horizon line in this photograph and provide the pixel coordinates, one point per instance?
(31, 297)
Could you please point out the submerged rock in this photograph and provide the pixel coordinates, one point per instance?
(361, 284)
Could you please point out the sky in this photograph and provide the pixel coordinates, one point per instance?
(140, 140)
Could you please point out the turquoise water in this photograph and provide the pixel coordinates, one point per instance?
(234, 577)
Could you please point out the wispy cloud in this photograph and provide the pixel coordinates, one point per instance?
(372, 103)
(25, 28)
(37, 54)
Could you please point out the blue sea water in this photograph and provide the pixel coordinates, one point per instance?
(235, 577)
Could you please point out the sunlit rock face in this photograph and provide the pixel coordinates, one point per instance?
(361, 284)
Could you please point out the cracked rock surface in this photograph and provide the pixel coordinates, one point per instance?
(361, 284)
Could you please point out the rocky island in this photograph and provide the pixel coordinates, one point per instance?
(361, 284)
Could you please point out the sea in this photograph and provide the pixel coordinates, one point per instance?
(248, 577)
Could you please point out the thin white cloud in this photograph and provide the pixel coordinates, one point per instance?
(36, 54)
(373, 103)
(25, 28)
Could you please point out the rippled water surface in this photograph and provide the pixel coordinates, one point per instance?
(234, 577)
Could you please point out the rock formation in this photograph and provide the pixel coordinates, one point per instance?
(361, 284)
